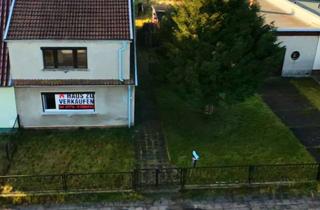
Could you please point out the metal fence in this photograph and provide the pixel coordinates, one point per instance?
(176, 178)
(91, 182)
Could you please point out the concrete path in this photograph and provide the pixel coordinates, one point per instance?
(295, 111)
(245, 203)
(151, 150)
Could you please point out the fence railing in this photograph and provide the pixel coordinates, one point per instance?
(178, 178)
(92, 182)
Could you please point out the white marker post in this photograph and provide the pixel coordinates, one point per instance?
(195, 158)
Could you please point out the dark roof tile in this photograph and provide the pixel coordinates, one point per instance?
(70, 19)
(4, 57)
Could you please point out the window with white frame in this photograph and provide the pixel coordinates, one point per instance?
(68, 102)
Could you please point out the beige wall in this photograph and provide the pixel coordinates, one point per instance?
(307, 46)
(111, 107)
(103, 63)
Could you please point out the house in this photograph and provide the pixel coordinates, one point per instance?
(8, 113)
(298, 29)
(72, 63)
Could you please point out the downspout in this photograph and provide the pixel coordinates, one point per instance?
(129, 106)
(135, 45)
(9, 20)
(121, 51)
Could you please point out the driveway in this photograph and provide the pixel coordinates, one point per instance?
(295, 111)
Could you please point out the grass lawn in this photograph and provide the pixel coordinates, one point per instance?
(310, 89)
(92, 150)
(248, 133)
(3, 158)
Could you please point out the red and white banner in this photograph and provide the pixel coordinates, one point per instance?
(75, 101)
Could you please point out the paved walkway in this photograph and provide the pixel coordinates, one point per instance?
(295, 111)
(151, 150)
(245, 203)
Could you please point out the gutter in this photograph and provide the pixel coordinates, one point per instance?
(9, 20)
(298, 30)
(121, 51)
(135, 48)
(129, 106)
(135, 65)
(130, 18)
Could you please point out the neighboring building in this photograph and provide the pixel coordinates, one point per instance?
(8, 113)
(298, 30)
(72, 62)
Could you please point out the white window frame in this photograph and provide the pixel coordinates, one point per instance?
(70, 111)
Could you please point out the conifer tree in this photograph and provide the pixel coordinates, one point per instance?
(217, 52)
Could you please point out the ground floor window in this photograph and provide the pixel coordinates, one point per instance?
(72, 102)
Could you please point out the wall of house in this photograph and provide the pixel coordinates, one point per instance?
(307, 47)
(111, 107)
(316, 64)
(8, 113)
(26, 59)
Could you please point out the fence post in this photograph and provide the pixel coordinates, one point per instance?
(64, 182)
(157, 177)
(183, 176)
(135, 179)
(318, 173)
(251, 170)
(7, 151)
(19, 122)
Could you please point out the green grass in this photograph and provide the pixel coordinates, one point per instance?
(310, 89)
(73, 199)
(56, 151)
(248, 133)
(3, 157)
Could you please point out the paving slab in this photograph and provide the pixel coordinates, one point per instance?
(279, 86)
(315, 152)
(300, 118)
(310, 136)
(287, 103)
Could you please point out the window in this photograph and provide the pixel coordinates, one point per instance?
(49, 101)
(82, 59)
(65, 58)
(48, 57)
(68, 102)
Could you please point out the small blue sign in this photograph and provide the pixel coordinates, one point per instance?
(195, 155)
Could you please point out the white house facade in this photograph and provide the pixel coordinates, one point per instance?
(72, 63)
(8, 113)
(298, 30)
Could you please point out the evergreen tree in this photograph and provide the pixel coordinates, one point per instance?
(217, 51)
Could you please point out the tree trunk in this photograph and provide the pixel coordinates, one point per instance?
(209, 109)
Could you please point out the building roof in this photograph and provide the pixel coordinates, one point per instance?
(4, 57)
(71, 20)
(282, 18)
(311, 5)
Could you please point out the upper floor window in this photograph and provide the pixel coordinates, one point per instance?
(64, 58)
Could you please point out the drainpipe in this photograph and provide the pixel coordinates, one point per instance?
(135, 44)
(8, 21)
(121, 51)
(129, 106)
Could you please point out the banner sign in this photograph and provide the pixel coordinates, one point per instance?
(75, 101)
